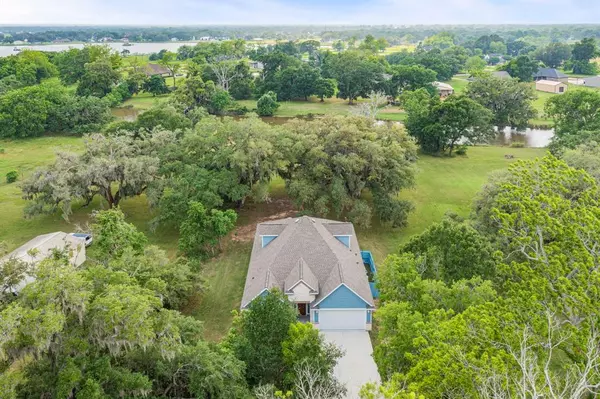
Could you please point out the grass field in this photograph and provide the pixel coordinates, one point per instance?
(331, 106)
(442, 184)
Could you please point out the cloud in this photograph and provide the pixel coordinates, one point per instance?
(278, 12)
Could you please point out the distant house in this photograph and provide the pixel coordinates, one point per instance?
(155, 69)
(444, 89)
(204, 38)
(257, 65)
(42, 247)
(551, 86)
(496, 74)
(318, 264)
(592, 81)
(550, 74)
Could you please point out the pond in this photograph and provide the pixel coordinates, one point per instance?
(129, 114)
(135, 48)
(534, 138)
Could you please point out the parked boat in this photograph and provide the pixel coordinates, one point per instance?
(16, 49)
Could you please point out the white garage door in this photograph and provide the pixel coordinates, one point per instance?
(342, 319)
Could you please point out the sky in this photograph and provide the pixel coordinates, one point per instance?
(289, 12)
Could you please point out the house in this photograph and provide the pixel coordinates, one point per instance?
(42, 247)
(592, 81)
(318, 264)
(550, 86)
(257, 65)
(444, 88)
(496, 74)
(550, 74)
(155, 69)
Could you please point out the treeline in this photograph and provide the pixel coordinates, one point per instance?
(537, 34)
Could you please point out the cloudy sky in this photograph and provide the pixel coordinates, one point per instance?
(273, 12)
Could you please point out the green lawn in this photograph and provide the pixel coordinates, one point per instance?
(331, 106)
(442, 184)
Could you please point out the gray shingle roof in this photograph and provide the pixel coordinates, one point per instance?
(549, 73)
(308, 246)
(593, 81)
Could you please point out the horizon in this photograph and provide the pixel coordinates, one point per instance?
(309, 13)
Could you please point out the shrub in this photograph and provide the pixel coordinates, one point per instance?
(267, 104)
(11, 176)
(461, 150)
(2, 151)
(517, 144)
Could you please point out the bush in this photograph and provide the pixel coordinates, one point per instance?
(461, 150)
(2, 151)
(517, 144)
(267, 104)
(11, 176)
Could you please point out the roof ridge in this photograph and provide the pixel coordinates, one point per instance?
(339, 265)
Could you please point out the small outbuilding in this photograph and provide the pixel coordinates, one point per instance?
(550, 86)
(443, 88)
(41, 247)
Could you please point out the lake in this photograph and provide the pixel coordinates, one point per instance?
(137, 48)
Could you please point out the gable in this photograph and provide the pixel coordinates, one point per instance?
(343, 297)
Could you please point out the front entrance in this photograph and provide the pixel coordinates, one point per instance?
(302, 309)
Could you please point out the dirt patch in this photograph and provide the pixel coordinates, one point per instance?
(276, 209)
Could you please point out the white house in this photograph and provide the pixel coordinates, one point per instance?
(41, 247)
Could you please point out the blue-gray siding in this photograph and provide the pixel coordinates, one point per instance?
(343, 298)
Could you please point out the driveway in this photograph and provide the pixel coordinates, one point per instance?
(357, 366)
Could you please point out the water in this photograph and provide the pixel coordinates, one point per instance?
(129, 114)
(533, 138)
(137, 48)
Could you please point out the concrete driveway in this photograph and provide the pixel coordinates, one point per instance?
(357, 366)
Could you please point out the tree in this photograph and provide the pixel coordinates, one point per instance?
(31, 111)
(113, 235)
(113, 167)
(325, 88)
(583, 52)
(162, 116)
(98, 79)
(509, 101)
(201, 232)
(576, 116)
(585, 156)
(370, 108)
(438, 126)
(554, 54)
(155, 85)
(305, 345)
(356, 74)
(475, 65)
(410, 78)
(522, 68)
(267, 104)
(168, 60)
(257, 336)
(452, 251)
(297, 82)
(354, 156)
(236, 161)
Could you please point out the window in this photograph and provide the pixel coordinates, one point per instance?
(344, 240)
(266, 240)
